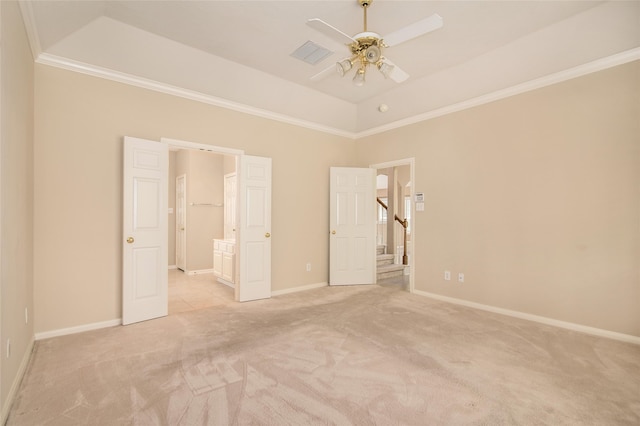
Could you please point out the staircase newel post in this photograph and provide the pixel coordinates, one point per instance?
(405, 258)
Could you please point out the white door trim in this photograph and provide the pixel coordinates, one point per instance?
(201, 147)
(411, 162)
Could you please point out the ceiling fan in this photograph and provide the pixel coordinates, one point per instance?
(366, 47)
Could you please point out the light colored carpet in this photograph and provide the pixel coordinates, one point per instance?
(365, 355)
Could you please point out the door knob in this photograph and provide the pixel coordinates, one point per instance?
(130, 240)
(333, 232)
(267, 235)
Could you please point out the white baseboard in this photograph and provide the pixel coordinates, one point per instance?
(225, 282)
(116, 322)
(297, 289)
(78, 329)
(200, 271)
(535, 318)
(16, 382)
(172, 267)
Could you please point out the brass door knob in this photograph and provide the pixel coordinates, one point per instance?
(333, 232)
(130, 240)
(267, 235)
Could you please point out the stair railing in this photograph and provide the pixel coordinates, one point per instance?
(405, 225)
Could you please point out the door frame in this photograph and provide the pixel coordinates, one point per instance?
(180, 144)
(411, 162)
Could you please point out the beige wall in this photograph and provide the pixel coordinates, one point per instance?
(16, 188)
(79, 125)
(229, 164)
(536, 198)
(205, 185)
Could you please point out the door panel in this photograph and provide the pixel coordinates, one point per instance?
(230, 192)
(144, 264)
(181, 222)
(254, 236)
(353, 226)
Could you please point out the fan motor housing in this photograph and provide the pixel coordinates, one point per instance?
(368, 46)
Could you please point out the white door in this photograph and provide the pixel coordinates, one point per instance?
(145, 239)
(230, 192)
(254, 230)
(352, 226)
(181, 222)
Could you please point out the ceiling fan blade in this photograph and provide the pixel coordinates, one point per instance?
(329, 30)
(414, 30)
(396, 74)
(324, 73)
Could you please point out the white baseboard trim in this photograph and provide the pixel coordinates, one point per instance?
(11, 395)
(297, 289)
(172, 267)
(225, 282)
(535, 318)
(200, 271)
(78, 329)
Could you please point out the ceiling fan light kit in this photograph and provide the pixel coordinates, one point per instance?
(358, 79)
(344, 66)
(366, 47)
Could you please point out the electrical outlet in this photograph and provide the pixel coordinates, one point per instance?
(447, 275)
(461, 277)
(308, 267)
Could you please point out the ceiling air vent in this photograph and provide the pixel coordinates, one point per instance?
(311, 53)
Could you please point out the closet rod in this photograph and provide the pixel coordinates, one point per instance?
(205, 204)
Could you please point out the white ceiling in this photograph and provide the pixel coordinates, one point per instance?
(237, 53)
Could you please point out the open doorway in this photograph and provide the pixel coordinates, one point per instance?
(198, 216)
(395, 234)
(145, 227)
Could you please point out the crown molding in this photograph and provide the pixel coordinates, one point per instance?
(92, 70)
(30, 28)
(580, 70)
(120, 77)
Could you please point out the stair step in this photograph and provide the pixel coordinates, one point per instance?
(388, 271)
(384, 259)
